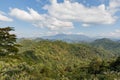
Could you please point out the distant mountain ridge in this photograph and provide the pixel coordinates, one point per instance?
(108, 44)
(69, 38)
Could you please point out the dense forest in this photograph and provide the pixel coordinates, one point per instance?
(41, 59)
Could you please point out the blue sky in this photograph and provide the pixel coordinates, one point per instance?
(35, 18)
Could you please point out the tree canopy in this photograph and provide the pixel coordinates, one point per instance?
(7, 41)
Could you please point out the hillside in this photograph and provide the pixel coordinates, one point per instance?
(83, 51)
(108, 44)
(55, 60)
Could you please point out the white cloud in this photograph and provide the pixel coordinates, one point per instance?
(40, 20)
(4, 18)
(27, 16)
(62, 16)
(85, 25)
(75, 11)
(114, 6)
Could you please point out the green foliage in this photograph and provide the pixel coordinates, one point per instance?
(115, 65)
(112, 47)
(94, 66)
(97, 66)
(57, 60)
(7, 42)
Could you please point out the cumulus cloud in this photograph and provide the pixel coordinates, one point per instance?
(4, 18)
(31, 15)
(41, 20)
(63, 15)
(75, 11)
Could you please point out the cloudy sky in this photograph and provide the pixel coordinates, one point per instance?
(35, 18)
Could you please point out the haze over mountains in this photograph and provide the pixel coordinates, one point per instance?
(70, 38)
(75, 38)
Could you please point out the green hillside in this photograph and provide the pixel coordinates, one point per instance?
(38, 59)
(108, 44)
(82, 51)
(52, 60)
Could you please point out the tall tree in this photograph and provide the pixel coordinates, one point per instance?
(7, 42)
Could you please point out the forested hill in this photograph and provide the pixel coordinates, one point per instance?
(108, 44)
(39, 59)
(100, 47)
(58, 60)
(80, 50)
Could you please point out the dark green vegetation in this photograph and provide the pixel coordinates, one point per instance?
(7, 42)
(107, 44)
(57, 60)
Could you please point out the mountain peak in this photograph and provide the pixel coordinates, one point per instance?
(69, 38)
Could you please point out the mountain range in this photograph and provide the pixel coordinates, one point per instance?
(69, 38)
